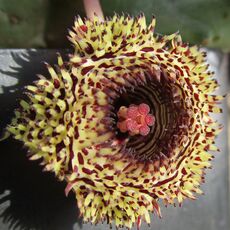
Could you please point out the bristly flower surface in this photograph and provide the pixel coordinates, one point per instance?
(125, 121)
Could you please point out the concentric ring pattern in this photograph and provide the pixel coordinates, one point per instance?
(70, 120)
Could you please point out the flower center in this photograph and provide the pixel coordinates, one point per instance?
(135, 119)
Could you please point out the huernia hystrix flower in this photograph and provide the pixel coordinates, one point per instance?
(125, 121)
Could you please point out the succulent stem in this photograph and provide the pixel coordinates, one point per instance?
(92, 8)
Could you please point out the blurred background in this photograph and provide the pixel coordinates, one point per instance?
(34, 31)
(44, 23)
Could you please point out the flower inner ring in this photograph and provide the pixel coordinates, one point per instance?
(150, 117)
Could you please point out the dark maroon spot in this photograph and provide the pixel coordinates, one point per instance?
(85, 151)
(32, 114)
(108, 177)
(107, 55)
(166, 180)
(179, 69)
(71, 154)
(57, 108)
(88, 181)
(164, 66)
(132, 61)
(98, 167)
(49, 95)
(184, 171)
(209, 134)
(84, 110)
(132, 185)
(90, 82)
(60, 146)
(75, 81)
(89, 49)
(56, 83)
(129, 165)
(198, 159)
(82, 187)
(88, 171)
(160, 51)
(86, 69)
(94, 91)
(109, 166)
(187, 52)
(70, 166)
(76, 134)
(62, 96)
(84, 28)
(110, 187)
(196, 96)
(29, 137)
(93, 39)
(159, 57)
(147, 49)
(161, 193)
(196, 137)
(98, 85)
(48, 115)
(22, 132)
(40, 134)
(117, 68)
(54, 134)
(189, 84)
(41, 102)
(80, 158)
(104, 65)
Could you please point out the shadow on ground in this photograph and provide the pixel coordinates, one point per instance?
(29, 198)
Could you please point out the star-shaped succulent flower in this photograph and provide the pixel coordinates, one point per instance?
(125, 121)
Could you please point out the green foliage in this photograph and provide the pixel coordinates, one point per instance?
(40, 23)
(22, 23)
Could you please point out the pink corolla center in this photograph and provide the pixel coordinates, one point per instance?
(136, 119)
